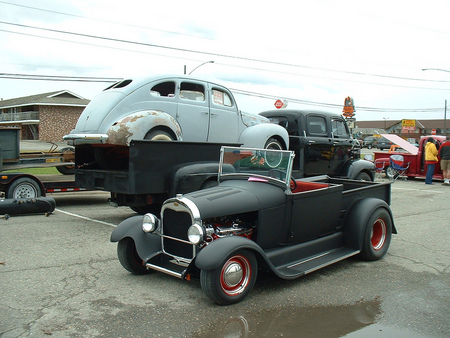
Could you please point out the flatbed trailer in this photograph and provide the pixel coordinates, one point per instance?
(16, 184)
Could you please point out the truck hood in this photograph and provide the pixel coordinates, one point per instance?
(235, 197)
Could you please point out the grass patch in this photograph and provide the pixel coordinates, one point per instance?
(35, 171)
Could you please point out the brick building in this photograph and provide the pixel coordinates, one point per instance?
(46, 117)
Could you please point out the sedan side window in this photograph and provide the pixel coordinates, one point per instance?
(221, 98)
(192, 91)
(163, 89)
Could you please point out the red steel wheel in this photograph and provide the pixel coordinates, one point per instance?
(233, 280)
(377, 235)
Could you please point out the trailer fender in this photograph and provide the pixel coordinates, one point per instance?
(147, 244)
(358, 216)
(256, 136)
(135, 126)
(354, 167)
(214, 255)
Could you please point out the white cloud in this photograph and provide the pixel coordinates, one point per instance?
(324, 42)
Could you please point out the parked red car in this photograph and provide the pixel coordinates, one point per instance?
(417, 166)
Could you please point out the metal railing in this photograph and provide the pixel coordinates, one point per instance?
(20, 116)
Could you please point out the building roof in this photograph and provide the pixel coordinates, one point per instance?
(58, 98)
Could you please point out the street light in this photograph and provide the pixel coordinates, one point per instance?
(204, 63)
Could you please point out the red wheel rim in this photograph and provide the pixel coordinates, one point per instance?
(378, 237)
(235, 275)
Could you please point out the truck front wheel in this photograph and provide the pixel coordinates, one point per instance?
(233, 281)
(24, 187)
(377, 235)
(129, 258)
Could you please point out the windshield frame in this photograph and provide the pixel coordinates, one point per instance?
(262, 165)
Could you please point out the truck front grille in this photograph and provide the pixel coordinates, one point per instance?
(176, 225)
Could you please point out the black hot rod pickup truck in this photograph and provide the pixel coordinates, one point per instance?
(258, 217)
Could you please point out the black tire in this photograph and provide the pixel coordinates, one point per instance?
(242, 269)
(377, 235)
(363, 176)
(129, 258)
(24, 187)
(391, 173)
(67, 169)
(159, 135)
(274, 144)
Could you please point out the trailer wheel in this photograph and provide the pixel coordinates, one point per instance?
(129, 258)
(233, 281)
(377, 235)
(24, 187)
(67, 169)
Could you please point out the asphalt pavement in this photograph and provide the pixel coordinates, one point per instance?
(60, 276)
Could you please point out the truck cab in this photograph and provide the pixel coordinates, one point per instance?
(322, 144)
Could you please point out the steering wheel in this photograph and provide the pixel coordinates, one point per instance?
(281, 173)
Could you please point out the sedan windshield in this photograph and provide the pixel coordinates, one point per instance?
(256, 164)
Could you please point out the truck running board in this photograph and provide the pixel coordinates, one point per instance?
(313, 263)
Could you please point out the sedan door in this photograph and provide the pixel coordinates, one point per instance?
(193, 111)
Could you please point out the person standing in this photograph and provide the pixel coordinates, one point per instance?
(444, 155)
(431, 158)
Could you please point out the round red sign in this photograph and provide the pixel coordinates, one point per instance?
(279, 104)
(433, 131)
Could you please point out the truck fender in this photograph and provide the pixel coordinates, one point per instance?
(352, 169)
(189, 177)
(147, 244)
(136, 125)
(256, 136)
(215, 253)
(356, 220)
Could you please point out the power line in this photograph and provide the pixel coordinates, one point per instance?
(219, 55)
(57, 78)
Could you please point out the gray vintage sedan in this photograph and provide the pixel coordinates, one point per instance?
(179, 108)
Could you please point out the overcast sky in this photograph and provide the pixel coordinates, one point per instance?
(312, 53)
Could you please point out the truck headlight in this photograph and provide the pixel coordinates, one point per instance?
(149, 223)
(196, 234)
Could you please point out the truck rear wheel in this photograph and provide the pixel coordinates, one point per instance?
(377, 235)
(24, 187)
(233, 281)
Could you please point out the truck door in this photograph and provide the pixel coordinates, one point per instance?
(224, 117)
(318, 152)
(193, 111)
(341, 144)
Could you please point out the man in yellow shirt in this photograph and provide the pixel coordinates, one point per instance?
(431, 158)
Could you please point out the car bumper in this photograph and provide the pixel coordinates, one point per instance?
(76, 139)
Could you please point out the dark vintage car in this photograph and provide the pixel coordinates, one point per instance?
(322, 143)
(258, 217)
(384, 143)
